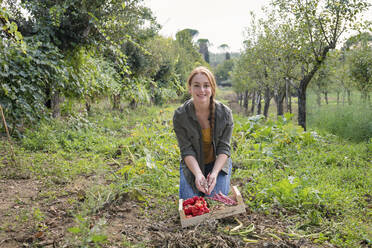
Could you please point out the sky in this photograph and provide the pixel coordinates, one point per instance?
(219, 21)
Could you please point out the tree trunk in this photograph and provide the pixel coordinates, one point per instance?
(87, 106)
(338, 97)
(279, 106)
(203, 49)
(227, 56)
(253, 101)
(364, 96)
(206, 57)
(349, 97)
(267, 99)
(343, 97)
(48, 102)
(56, 101)
(286, 95)
(133, 104)
(245, 104)
(305, 82)
(259, 102)
(318, 99)
(302, 107)
(279, 99)
(290, 100)
(326, 97)
(116, 102)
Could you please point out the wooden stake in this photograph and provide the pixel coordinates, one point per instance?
(7, 132)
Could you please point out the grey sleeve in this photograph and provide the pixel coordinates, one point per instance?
(223, 146)
(184, 143)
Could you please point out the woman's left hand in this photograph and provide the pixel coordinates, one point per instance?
(212, 180)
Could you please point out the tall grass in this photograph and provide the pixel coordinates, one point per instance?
(352, 122)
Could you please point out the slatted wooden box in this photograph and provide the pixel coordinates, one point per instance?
(225, 211)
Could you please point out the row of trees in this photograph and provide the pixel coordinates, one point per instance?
(292, 47)
(346, 69)
(55, 51)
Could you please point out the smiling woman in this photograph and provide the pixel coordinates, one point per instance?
(203, 128)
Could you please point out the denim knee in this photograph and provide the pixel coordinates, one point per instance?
(186, 191)
(222, 184)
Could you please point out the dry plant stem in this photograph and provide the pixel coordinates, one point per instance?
(7, 133)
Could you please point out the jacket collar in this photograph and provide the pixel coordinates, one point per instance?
(190, 108)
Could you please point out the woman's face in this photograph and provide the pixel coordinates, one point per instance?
(200, 89)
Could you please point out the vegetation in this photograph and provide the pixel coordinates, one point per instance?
(287, 48)
(100, 49)
(88, 90)
(351, 122)
(93, 168)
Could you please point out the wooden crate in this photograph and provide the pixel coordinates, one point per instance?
(214, 214)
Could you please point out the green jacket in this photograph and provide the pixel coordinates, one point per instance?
(189, 136)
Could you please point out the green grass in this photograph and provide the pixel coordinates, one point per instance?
(316, 180)
(351, 122)
(320, 183)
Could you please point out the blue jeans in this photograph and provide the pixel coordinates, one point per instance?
(223, 184)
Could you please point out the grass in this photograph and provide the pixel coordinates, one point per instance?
(352, 122)
(318, 183)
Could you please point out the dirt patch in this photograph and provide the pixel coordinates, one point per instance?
(156, 225)
(34, 213)
(15, 198)
(14, 193)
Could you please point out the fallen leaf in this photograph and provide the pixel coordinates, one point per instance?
(38, 234)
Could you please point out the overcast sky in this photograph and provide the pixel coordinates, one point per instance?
(219, 21)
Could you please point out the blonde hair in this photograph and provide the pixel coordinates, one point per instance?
(205, 71)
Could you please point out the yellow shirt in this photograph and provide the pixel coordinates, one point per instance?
(207, 146)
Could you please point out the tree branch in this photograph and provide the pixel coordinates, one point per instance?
(324, 33)
(310, 32)
(333, 44)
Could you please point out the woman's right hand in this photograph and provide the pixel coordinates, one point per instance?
(201, 183)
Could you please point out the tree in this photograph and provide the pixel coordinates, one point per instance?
(185, 36)
(360, 58)
(76, 49)
(320, 24)
(189, 57)
(222, 71)
(203, 48)
(225, 49)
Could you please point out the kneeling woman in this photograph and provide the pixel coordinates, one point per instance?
(203, 128)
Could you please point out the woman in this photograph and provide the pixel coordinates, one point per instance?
(203, 128)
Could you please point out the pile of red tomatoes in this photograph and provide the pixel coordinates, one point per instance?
(195, 206)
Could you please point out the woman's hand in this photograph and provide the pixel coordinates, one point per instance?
(201, 183)
(211, 180)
